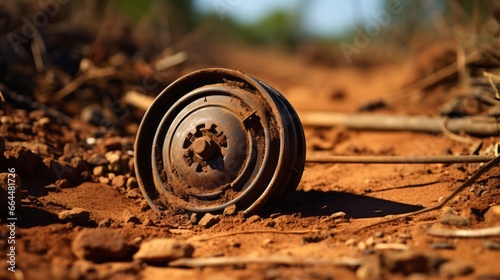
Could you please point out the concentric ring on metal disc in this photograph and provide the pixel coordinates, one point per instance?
(217, 137)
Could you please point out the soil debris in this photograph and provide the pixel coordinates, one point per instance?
(162, 250)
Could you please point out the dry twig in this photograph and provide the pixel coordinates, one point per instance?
(483, 232)
(275, 260)
(226, 234)
(492, 78)
(83, 78)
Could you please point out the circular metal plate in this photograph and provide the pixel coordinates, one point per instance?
(218, 137)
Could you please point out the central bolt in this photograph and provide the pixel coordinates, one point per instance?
(204, 147)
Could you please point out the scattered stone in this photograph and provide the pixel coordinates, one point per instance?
(454, 269)
(491, 245)
(113, 158)
(409, 261)
(275, 215)
(313, 238)
(163, 250)
(370, 268)
(209, 220)
(44, 122)
(350, 242)
(230, 210)
(104, 180)
(270, 223)
(78, 216)
(370, 241)
(71, 150)
(23, 160)
(193, 219)
(253, 219)
(148, 222)
(61, 184)
(265, 242)
(99, 171)
(338, 216)
(129, 217)
(79, 164)
(98, 161)
(492, 216)
(100, 245)
(132, 183)
(449, 218)
(105, 223)
(442, 246)
(56, 169)
(119, 182)
(111, 176)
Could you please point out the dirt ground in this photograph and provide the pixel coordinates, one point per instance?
(304, 229)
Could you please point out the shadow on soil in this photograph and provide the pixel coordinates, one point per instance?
(318, 203)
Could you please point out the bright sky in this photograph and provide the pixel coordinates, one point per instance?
(321, 17)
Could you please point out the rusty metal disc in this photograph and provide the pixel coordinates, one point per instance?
(217, 137)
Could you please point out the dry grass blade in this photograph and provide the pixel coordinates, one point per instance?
(274, 260)
(493, 79)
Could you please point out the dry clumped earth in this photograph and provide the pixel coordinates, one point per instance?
(81, 215)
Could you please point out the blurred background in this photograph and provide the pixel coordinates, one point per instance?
(82, 58)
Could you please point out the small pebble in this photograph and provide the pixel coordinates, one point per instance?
(350, 242)
(104, 180)
(163, 250)
(99, 170)
(370, 241)
(209, 220)
(100, 245)
(105, 223)
(230, 210)
(132, 183)
(492, 216)
(193, 219)
(449, 218)
(254, 219)
(148, 222)
(76, 215)
(129, 217)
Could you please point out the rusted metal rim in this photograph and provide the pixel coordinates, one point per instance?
(217, 137)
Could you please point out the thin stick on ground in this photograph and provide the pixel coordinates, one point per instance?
(465, 185)
(227, 234)
(471, 233)
(276, 260)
